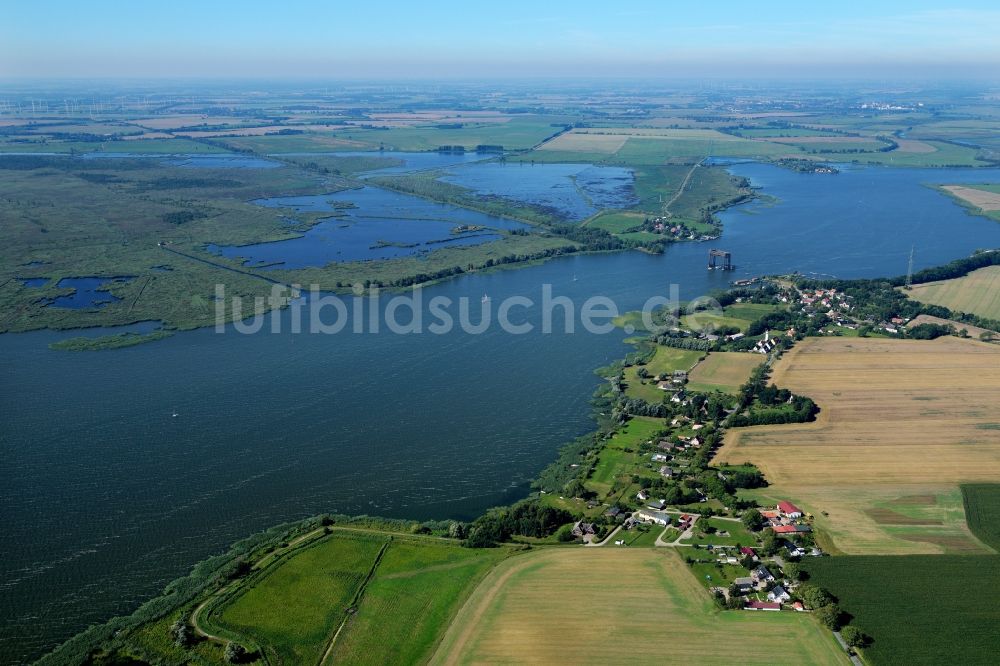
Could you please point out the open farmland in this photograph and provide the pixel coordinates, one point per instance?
(723, 371)
(922, 609)
(900, 419)
(577, 605)
(982, 510)
(416, 590)
(976, 293)
(313, 590)
(980, 197)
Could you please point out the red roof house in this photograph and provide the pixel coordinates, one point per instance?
(764, 606)
(789, 509)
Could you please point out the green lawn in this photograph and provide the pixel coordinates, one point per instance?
(294, 608)
(738, 535)
(740, 315)
(919, 609)
(665, 360)
(714, 574)
(617, 222)
(619, 457)
(417, 589)
(638, 537)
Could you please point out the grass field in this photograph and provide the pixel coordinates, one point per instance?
(619, 458)
(616, 222)
(293, 610)
(723, 371)
(607, 605)
(982, 511)
(740, 315)
(976, 293)
(919, 609)
(736, 534)
(665, 360)
(900, 419)
(416, 590)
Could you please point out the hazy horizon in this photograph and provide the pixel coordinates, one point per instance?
(452, 41)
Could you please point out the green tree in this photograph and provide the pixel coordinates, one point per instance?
(814, 596)
(752, 520)
(235, 653)
(829, 615)
(793, 571)
(854, 636)
(181, 632)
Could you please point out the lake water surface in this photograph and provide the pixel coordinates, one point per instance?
(105, 496)
(381, 225)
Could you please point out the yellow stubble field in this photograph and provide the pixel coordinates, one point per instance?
(615, 605)
(900, 419)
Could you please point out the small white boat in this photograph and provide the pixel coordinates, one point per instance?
(175, 414)
(486, 299)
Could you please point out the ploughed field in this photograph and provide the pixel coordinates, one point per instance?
(902, 424)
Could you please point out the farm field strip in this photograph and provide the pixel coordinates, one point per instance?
(898, 418)
(976, 293)
(558, 604)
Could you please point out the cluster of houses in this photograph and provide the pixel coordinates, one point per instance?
(677, 379)
(664, 225)
(785, 519)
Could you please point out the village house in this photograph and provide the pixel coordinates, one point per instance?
(642, 496)
(582, 529)
(765, 345)
(790, 510)
(613, 512)
(744, 584)
(658, 457)
(666, 472)
(749, 552)
(763, 606)
(791, 529)
(778, 594)
(761, 575)
(657, 517)
(657, 505)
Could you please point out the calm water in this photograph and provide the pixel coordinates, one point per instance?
(88, 292)
(382, 225)
(574, 191)
(105, 496)
(34, 282)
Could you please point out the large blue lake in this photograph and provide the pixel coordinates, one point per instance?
(105, 496)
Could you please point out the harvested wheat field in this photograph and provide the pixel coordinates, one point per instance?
(980, 198)
(614, 605)
(977, 293)
(900, 418)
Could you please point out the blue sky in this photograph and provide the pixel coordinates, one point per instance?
(340, 40)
